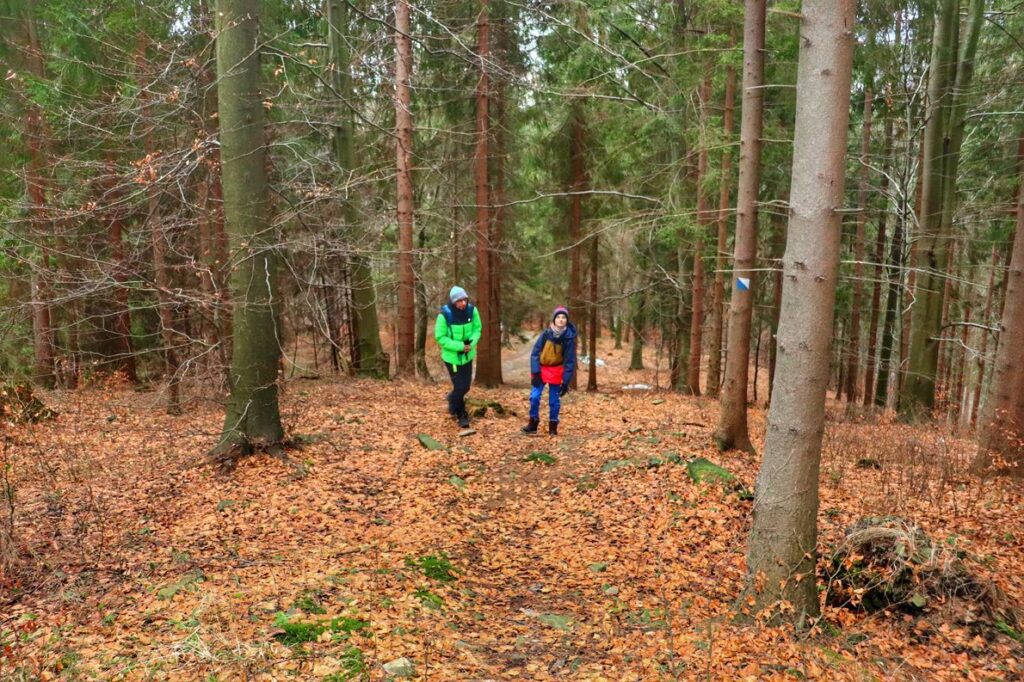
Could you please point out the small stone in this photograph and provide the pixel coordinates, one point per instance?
(400, 667)
(466, 432)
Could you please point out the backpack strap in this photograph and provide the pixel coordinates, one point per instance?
(447, 312)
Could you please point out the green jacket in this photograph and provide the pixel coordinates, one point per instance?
(452, 338)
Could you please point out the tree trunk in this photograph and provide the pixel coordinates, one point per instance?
(718, 289)
(636, 358)
(703, 222)
(876, 294)
(986, 316)
(124, 361)
(498, 331)
(732, 426)
(403, 151)
(1002, 418)
(853, 349)
(782, 556)
(594, 324)
(41, 225)
(949, 84)
(253, 418)
(158, 242)
(487, 364)
(578, 175)
(778, 248)
(679, 326)
(895, 275)
(370, 359)
(422, 318)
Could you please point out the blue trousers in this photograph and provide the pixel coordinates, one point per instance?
(554, 401)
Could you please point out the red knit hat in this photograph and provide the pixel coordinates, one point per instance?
(560, 310)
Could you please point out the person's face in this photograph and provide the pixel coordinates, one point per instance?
(461, 303)
(561, 320)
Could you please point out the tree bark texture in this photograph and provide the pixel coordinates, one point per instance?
(703, 224)
(487, 364)
(253, 418)
(714, 379)
(732, 426)
(1002, 418)
(949, 83)
(783, 540)
(406, 324)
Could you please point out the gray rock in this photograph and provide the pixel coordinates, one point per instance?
(400, 667)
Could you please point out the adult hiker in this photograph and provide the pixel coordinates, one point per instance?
(552, 363)
(457, 331)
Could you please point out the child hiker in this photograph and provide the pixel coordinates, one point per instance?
(552, 362)
(457, 331)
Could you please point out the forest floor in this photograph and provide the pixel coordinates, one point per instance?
(482, 560)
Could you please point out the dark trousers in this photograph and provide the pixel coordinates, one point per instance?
(462, 378)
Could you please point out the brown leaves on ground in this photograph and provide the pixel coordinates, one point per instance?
(480, 561)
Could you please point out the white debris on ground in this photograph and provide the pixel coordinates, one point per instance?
(585, 360)
(637, 387)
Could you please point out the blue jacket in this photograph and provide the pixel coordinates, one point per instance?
(568, 344)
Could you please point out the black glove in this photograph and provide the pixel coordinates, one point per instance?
(535, 380)
(563, 389)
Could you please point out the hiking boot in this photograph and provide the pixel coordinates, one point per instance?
(531, 427)
(464, 420)
(553, 428)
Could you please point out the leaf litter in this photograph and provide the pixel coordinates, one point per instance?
(139, 564)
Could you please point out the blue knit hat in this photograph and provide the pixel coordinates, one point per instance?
(457, 294)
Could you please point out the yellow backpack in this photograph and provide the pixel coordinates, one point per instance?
(551, 354)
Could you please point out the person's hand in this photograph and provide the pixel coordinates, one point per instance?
(563, 389)
(467, 347)
(535, 380)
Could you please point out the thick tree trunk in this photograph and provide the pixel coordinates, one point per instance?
(487, 363)
(732, 426)
(406, 323)
(782, 549)
(1002, 418)
(876, 294)
(703, 222)
(718, 288)
(853, 349)
(949, 85)
(370, 359)
(253, 418)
